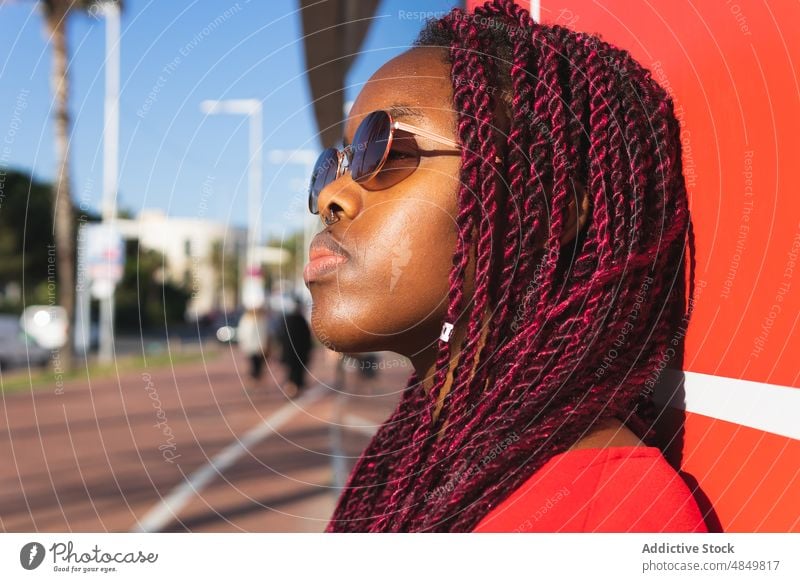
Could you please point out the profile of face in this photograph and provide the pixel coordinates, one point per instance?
(392, 291)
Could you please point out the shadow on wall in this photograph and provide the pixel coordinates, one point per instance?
(670, 396)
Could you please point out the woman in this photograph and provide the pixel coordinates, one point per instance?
(512, 219)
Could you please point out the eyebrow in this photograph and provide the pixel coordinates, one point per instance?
(403, 110)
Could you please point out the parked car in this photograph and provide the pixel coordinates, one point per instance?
(225, 325)
(18, 348)
(46, 324)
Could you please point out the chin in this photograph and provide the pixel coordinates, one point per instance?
(353, 325)
(336, 325)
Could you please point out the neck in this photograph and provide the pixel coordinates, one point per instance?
(425, 363)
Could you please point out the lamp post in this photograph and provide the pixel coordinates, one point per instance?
(110, 184)
(252, 287)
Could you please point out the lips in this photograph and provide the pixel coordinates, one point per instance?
(325, 255)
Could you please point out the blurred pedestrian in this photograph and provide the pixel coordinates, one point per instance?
(295, 339)
(253, 339)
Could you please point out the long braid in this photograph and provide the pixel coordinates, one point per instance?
(511, 283)
(465, 384)
(510, 253)
(487, 241)
(547, 94)
(371, 471)
(576, 331)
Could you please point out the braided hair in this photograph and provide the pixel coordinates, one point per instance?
(559, 338)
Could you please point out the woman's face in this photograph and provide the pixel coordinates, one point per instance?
(391, 293)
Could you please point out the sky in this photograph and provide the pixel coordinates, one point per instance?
(173, 157)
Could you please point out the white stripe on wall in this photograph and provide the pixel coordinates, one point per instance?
(758, 405)
(767, 407)
(536, 10)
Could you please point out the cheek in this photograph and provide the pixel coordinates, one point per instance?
(408, 262)
(397, 285)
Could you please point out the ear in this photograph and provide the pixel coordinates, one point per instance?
(577, 212)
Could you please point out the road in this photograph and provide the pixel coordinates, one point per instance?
(187, 448)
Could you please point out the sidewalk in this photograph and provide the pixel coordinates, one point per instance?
(101, 455)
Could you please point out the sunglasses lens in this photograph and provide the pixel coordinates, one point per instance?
(369, 145)
(324, 173)
(401, 161)
(380, 159)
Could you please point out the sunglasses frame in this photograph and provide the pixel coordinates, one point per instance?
(394, 125)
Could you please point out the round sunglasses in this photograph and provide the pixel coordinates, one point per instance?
(383, 153)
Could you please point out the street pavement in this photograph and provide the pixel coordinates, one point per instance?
(191, 447)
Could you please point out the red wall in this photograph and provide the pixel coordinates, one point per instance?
(731, 68)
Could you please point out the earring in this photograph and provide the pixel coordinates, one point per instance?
(447, 329)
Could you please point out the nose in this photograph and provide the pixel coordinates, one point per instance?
(342, 197)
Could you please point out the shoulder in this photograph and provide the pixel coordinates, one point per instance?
(612, 489)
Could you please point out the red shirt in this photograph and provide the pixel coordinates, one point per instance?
(615, 489)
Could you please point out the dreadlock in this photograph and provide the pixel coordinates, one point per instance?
(576, 331)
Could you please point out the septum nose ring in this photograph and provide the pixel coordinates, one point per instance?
(330, 219)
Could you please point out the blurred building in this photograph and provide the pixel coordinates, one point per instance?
(201, 255)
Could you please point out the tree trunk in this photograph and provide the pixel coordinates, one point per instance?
(63, 219)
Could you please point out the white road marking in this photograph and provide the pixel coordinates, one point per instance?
(166, 511)
(360, 424)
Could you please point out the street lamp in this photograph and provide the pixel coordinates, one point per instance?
(111, 11)
(251, 108)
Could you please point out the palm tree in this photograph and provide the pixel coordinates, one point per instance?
(56, 15)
